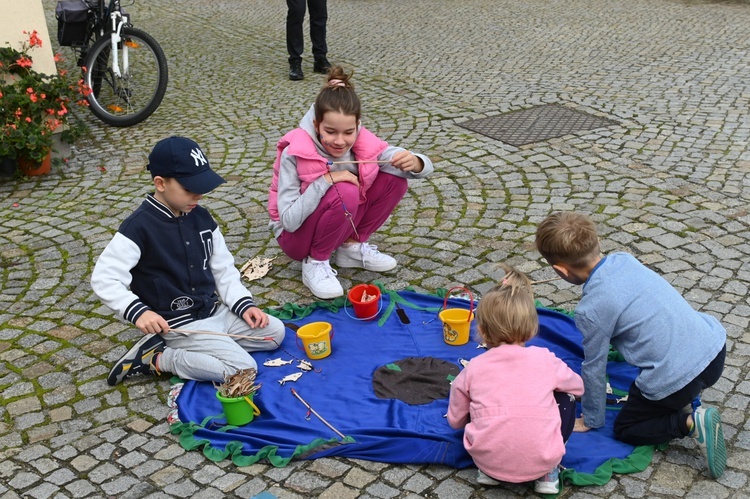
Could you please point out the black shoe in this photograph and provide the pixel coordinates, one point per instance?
(138, 360)
(321, 66)
(295, 71)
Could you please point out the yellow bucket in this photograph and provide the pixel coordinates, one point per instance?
(316, 339)
(456, 321)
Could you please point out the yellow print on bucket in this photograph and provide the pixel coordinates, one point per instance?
(449, 334)
(318, 348)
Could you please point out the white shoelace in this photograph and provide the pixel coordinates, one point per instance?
(368, 249)
(322, 271)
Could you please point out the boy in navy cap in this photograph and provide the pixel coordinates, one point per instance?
(168, 268)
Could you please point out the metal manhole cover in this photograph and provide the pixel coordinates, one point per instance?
(536, 124)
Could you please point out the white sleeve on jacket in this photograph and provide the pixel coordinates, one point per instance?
(294, 208)
(111, 278)
(228, 279)
(388, 154)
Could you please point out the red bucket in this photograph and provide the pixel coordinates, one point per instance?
(365, 299)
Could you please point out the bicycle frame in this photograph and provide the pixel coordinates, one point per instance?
(118, 21)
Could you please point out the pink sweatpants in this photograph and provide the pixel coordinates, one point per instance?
(328, 227)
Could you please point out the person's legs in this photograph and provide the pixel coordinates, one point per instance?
(645, 422)
(205, 357)
(566, 404)
(325, 229)
(318, 19)
(295, 42)
(317, 238)
(256, 339)
(382, 197)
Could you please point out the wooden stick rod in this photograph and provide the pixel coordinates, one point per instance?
(214, 333)
(294, 392)
(546, 280)
(378, 162)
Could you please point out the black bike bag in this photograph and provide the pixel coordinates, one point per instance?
(72, 17)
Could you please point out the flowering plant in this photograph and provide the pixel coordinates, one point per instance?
(33, 105)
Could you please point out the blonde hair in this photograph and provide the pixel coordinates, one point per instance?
(337, 95)
(507, 314)
(569, 238)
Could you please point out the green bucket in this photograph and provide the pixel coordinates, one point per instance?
(238, 411)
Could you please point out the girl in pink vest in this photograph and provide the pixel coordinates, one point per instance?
(514, 402)
(334, 184)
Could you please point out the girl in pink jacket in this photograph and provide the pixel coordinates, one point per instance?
(514, 402)
(334, 184)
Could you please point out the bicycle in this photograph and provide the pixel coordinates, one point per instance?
(124, 66)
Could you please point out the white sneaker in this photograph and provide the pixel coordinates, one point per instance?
(484, 479)
(320, 278)
(549, 483)
(364, 256)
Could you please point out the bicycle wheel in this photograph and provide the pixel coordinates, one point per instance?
(132, 97)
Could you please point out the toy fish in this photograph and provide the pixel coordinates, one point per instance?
(304, 365)
(291, 377)
(277, 362)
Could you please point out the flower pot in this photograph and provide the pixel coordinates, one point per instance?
(32, 168)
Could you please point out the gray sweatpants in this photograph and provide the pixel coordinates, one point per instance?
(205, 357)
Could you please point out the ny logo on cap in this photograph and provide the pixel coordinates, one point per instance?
(197, 155)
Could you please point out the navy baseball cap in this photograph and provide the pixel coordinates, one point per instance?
(182, 159)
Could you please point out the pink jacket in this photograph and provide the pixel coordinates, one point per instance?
(504, 401)
(311, 165)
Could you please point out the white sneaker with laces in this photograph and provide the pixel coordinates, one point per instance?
(321, 279)
(364, 256)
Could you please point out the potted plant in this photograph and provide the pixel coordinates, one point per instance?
(33, 105)
(236, 396)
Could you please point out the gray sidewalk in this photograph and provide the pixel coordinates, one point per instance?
(669, 181)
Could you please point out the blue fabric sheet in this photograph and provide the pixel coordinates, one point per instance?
(389, 430)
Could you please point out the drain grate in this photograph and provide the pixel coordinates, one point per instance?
(536, 124)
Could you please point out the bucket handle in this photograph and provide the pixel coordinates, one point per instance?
(380, 307)
(471, 300)
(256, 411)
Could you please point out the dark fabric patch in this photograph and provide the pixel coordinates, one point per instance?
(415, 380)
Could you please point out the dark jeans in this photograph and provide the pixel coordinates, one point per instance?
(648, 422)
(295, 43)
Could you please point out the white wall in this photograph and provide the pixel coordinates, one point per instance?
(28, 15)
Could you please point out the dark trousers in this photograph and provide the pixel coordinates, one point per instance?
(649, 422)
(295, 43)
(566, 403)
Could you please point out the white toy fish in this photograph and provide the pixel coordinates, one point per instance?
(291, 377)
(304, 365)
(277, 362)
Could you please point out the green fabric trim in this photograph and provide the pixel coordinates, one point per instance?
(233, 449)
(393, 367)
(636, 462)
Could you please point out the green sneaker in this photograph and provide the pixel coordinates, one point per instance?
(710, 438)
(138, 360)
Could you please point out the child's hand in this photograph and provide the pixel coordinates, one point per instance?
(407, 162)
(255, 317)
(151, 323)
(341, 176)
(580, 426)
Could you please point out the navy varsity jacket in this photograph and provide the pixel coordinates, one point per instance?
(179, 267)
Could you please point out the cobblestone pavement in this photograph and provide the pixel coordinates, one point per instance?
(670, 183)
